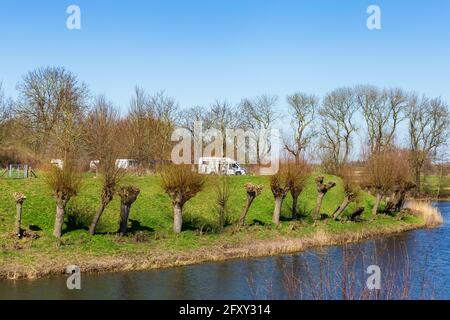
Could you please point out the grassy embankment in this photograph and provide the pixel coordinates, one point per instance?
(151, 244)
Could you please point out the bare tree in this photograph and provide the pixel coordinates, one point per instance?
(337, 116)
(150, 123)
(383, 110)
(101, 140)
(166, 109)
(222, 116)
(428, 122)
(50, 99)
(259, 115)
(141, 120)
(187, 119)
(302, 108)
(5, 114)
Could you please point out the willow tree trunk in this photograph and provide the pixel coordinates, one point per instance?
(247, 205)
(277, 210)
(341, 208)
(322, 189)
(128, 196)
(417, 181)
(294, 207)
(59, 219)
(124, 213)
(318, 205)
(96, 218)
(103, 204)
(377, 204)
(177, 217)
(18, 230)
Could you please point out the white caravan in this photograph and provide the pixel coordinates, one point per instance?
(216, 165)
(127, 163)
(57, 163)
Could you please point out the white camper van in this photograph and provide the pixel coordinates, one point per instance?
(216, 165)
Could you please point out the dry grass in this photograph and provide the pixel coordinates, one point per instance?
(431, 215)
(246, 247)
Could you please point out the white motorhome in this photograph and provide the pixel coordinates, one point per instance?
(216, 165)
(127, 163)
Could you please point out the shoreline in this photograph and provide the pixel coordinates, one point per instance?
(243, 249)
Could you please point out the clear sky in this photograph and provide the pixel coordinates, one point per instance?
(200, 50)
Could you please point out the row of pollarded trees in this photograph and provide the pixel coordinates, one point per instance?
(387, 173)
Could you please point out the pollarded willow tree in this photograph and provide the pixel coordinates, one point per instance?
(64, 184)
(322, 189)
(388, 173)
(128, 195)
(351, 190)
(252, 191)
(280, 185)
(298, 172)
(19, 198)
(101, 141)
(181, 183)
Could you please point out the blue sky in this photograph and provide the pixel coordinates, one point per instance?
(202, 50)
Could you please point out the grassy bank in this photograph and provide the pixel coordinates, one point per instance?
(151, 244)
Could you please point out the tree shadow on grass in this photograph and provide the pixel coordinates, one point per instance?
(136, 226)
(192, 223)
(256, 222)
(78, 218)
(34, 227)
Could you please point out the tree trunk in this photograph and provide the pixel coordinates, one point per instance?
(247, 205)
(294, 208)
(277, 210)
(376, 205)
(18, 230)
(124, 213)
(128, 196)
(417, 181)
(177, 218)
(59, 219)
(356, 214)
(318, 205)
(341, 208)
(97, 216)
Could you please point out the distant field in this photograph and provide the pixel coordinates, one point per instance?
(434, 185)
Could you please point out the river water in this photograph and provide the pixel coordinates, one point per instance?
(413, 265)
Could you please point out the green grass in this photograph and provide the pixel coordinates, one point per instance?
(432, 184)
(151, 219)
